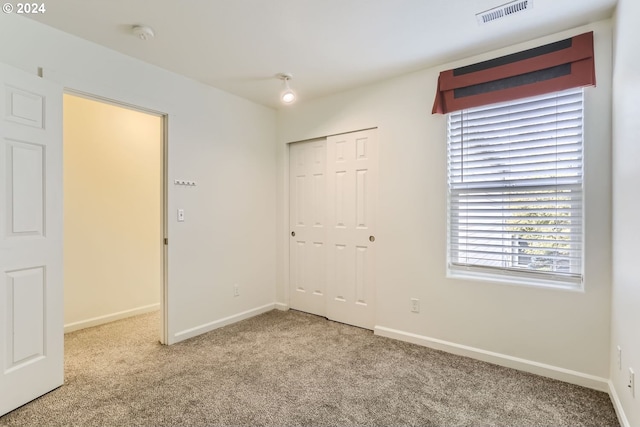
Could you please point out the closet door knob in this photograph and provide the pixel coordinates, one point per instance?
(293, 234)
(372, 238)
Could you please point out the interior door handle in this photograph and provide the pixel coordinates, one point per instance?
(372, 238)
(293, 234)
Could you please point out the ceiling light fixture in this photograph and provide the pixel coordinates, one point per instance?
(143, 32)
(287, 96)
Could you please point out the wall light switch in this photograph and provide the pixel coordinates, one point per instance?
(180, 215)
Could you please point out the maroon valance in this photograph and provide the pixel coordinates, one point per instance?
(553, 67)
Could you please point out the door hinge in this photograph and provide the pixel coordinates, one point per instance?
(166, 241)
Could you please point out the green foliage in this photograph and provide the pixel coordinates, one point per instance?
(544, 236)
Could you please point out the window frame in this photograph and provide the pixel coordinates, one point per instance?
(457, 270)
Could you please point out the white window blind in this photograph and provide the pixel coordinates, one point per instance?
(515, 188)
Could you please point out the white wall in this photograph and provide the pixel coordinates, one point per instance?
(112, 212)
(224, 143)
(625, 324)
(566, 330)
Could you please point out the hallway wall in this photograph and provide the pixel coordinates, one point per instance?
(112, 212)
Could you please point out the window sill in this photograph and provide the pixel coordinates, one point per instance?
(511, 280)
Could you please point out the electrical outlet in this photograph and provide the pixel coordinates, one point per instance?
(180, 215)
(415, 305)
(632, 382)
(619, 358)
(236, 291)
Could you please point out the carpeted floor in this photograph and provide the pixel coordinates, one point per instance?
(293, 369)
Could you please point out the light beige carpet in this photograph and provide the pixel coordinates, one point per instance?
(293, 369)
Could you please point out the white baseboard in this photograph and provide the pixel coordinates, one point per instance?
(281, 306)
(617, 405)
(562, 374)
(192, 332)
(95, 321)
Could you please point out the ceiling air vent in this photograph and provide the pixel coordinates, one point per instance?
(503, 11)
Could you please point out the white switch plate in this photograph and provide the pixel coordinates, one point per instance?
(415, 305)
(181, 215)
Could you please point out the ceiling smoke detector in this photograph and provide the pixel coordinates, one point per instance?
(143, 32)
(503, 11)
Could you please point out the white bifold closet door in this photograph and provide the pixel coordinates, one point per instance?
(31, 300)
(333, 184)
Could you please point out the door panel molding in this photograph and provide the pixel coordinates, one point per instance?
(25, 316)
(25, 201)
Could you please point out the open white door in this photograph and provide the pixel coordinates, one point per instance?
(31, 299)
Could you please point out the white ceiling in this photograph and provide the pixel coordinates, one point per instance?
(328, 45)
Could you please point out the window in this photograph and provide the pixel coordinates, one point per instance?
(515, 189)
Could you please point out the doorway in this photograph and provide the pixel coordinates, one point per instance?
(332, 212)
(114, 204)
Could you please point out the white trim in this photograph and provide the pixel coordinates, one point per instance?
(281, 306)
(100, 320)
(562, 374)
(503, 277)
(617, 405)
(207, 327)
